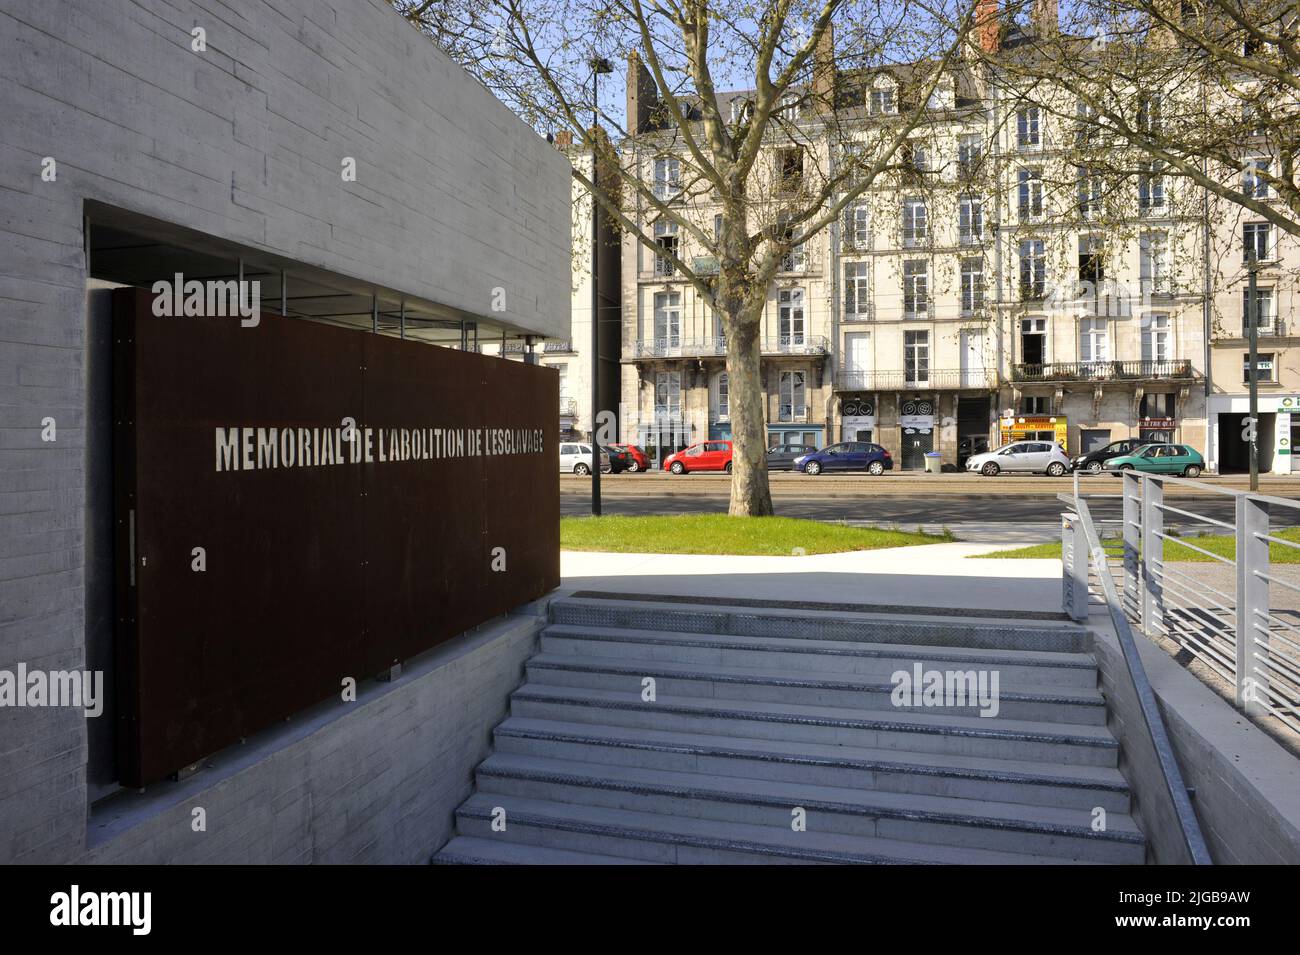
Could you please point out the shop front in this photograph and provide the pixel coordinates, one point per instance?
(858, 419)
(916, 421)
(1227, 444)
(1034, 428)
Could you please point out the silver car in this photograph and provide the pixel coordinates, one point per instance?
(1035, 457)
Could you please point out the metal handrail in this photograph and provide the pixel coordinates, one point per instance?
(1188, 825)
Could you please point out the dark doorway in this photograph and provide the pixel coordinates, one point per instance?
(916, 443)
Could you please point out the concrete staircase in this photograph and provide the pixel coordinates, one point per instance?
(762, 711)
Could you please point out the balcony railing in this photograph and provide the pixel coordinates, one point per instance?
(1102, 370)
(552, 347)
(850, 379)
(717, 346)
(568, 406)
(862, 312)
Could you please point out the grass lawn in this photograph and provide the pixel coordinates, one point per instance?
(722, 534)
(1225, 545)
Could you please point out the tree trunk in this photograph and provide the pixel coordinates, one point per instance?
(750, 494)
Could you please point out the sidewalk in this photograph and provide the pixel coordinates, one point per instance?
(932, 575)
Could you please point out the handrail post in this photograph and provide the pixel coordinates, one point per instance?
(1153, 555)
(1074, 561)
(1132, 488)
(1252, 605)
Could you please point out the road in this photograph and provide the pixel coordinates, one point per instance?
(1010, 509)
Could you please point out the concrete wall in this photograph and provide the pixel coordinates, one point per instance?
(375, 781)
(244, 141)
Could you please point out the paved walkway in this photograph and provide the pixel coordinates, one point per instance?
(933, 575)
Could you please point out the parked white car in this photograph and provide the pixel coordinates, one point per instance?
(1038, 457)
(575, 458)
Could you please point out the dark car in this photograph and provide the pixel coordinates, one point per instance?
(640, 460)
(847, 456)
(1094, 461)
(781, 457)
(619, 459)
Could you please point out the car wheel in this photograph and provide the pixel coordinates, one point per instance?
(678, 468)
(728, 468)
(876, 467)
(581, 470)
(812, 467)
(1192, 470)
(990, 469)
(633, 467)
(1126, 467)
(1055, 469)
(1094, 467)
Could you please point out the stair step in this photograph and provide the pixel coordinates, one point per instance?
(905, 817)
(1012, 701)
(466, 850)
(800, 654)
(913, 731)
(688, 841)
(1002, 780)
(815, 625)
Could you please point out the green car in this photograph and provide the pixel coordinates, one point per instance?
(1160, 459)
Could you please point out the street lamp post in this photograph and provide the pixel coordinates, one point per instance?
(599, 65)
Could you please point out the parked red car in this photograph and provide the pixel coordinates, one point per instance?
(704, 456)
(640, 460)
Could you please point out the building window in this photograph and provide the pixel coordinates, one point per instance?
(916, 357)
(1029, 193)
(1033, 341)
(972, 285)
(666, 241)
(1033, 270)
(916, 287)
(794, 260)
(789, 108)
(668, 319)
(668, 178)
(1151, 189)
(1094, 340)
(1159, 405)
(789, 170)
(857, 291)
(1156, 340)
(1264, 303)
(1150, 106)
(1256, 241)
(717, 228)
(1092, 259)
(1028, 133)
(970, 152)
(970, 220)
(882, 102)
(741, 110)
(1253, 184)
(915, 222)
(1035, 404)
(1086, 131)
(724, 404)
(1156, 279)
(790, 316)
(857, 226)
(794, 398)
(1263, 367)
(1089, 192)
(668, 394)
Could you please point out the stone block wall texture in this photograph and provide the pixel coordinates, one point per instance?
(375, 781)
(244, 141)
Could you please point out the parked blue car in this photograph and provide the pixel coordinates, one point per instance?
(847, 456)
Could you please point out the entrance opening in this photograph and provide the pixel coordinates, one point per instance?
(916, 443)
(1234, 449)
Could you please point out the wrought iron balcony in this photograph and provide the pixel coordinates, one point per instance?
(717, 346)
(1102, 370)
(568, 406)
(940, 379)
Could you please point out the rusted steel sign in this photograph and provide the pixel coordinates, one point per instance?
(298, 505)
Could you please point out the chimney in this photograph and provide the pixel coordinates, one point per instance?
(642, 95)
(988, 25)
(823, 83)
(1045, 17)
